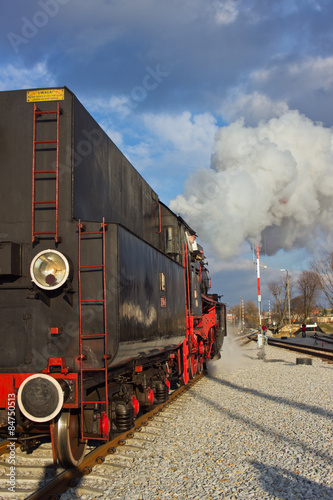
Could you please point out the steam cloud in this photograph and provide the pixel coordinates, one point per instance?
(275, 179)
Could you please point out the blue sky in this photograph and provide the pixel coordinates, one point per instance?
(175, 81)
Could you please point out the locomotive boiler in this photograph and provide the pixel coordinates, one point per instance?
(104, 291)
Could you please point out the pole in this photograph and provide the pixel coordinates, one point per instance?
(259, 294)
(260, 338)
(289, 304)
(243, 320)
(288, 294)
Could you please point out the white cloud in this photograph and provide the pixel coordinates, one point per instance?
(254, 107)
(226, 11)
(315, 72)
(312, 73)
(114, 134)
(118, 104)
(19, 77)
(184, 131)
(141, 156)
(318, 5)
(91, 39)
(287, 81)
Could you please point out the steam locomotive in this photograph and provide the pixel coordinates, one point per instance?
(104, 291)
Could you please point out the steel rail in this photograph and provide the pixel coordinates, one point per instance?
(70, 477)
(4, 446)
(310, 350)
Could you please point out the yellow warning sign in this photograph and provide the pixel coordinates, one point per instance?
(45, 95)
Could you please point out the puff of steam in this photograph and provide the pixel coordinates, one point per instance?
(275, 178)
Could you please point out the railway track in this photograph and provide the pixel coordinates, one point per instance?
(319, 352)
(316, 351)
(33, 477)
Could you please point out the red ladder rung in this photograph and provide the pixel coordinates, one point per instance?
(45, 232)
(45, 171)
(38, 151)
(89, 335)
(38, 112)
(84, 233)
(94, 402)
(100, 336)
(89, 267)
(92, 300)
(44, 202)
(45, 142)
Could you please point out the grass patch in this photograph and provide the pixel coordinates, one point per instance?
(326, 327)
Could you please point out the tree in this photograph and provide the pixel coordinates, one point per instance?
(235, 311)
(308, 285)
(250, 314)
(275, 288)
(323, 267)
(279, 290)
(296, 306)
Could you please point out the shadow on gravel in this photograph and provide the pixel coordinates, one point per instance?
(255, 358)
(285, 483)
(293, 441)
(278, 361)
(316, 410)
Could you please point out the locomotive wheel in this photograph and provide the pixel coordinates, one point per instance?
(200, 363)
(193, 365)
(184, 365)
(71, 449)
(201, 357)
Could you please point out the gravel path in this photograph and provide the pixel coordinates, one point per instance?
(252, 430)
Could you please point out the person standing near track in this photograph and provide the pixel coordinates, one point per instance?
(303, 330)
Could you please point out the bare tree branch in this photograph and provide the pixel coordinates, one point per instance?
(323, 267)
(309, 286)
(279, 290)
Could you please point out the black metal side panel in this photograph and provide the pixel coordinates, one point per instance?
(15, 160)
(16, 150)
(16, 336)
(195, 289)
(106, 184)
(151, 298)
(26, 314)
(141, 315)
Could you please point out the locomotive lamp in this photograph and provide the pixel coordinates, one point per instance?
(49, 269)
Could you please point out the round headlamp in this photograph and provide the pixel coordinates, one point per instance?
(49, 269)
(40, 397)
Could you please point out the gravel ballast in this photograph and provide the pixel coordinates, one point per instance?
(252, 429)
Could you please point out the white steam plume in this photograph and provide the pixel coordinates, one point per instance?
(276, 178)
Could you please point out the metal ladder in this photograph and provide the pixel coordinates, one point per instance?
(45, 203)
(103, 404)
